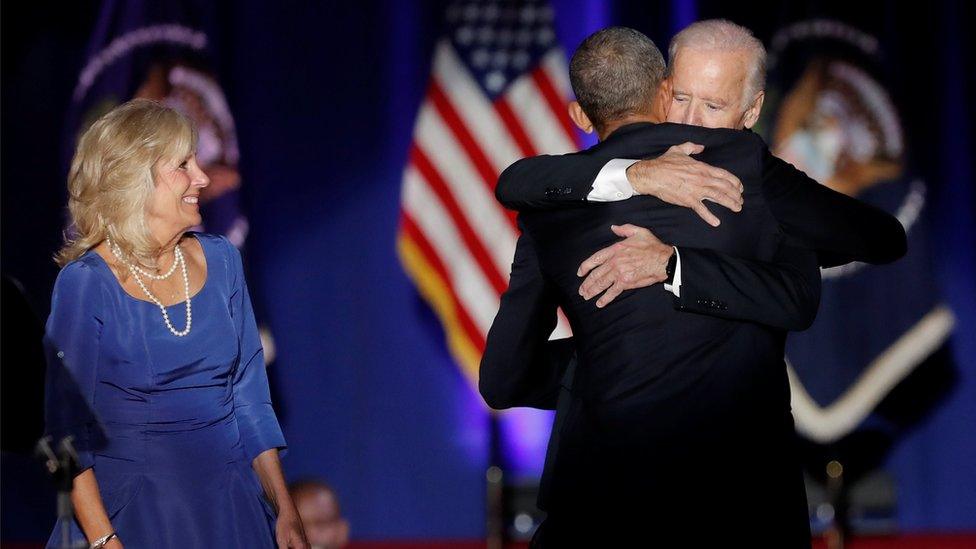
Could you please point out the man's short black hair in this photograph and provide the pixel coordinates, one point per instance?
(615, 73)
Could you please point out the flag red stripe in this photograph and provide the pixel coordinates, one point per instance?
(410, 228)
(461, 133)
(556, 104)
(458, 123)
(514, 127)
(437, 184)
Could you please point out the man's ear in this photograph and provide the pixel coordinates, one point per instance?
(662, 101)
(751, 115)
(579, 117)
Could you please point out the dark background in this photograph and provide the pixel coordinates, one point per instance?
(324, 96)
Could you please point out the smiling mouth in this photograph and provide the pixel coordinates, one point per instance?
(191, 200)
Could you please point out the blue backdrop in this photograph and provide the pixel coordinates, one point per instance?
(324, 97)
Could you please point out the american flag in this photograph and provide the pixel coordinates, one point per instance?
(498, 92)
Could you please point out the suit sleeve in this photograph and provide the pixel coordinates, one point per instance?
(71, 345)
(520, 367)
(784, 293)
(548, 181)
(839, 228)
(256, 418)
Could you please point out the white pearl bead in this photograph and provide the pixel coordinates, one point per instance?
(178, 259)
(147, 274)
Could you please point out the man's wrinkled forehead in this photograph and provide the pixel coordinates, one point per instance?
(717, 73)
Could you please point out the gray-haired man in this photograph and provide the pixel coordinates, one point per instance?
(710, 398)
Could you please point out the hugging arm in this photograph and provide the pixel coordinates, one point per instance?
(547, 181)
(520, 366)
(784, 293)
(839, 228)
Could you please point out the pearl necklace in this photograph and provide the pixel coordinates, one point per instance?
(147, 274)
(178, 259)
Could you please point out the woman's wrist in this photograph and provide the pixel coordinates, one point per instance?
(285, 505)
(104, 542)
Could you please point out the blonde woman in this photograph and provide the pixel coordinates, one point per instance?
(155, 366)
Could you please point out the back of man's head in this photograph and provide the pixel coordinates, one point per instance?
(616, 73)
(726, 36)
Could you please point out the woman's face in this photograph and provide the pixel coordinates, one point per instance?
(175, 203)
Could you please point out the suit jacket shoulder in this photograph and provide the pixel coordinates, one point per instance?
(549, 181)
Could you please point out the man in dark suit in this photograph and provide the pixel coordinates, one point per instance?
(675, 416)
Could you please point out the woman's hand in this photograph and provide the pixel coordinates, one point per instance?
(288, 529)
(89, 509)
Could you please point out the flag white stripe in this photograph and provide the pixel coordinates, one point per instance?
(448, 157)
(554, 64)
(473, 107)
(473, 290)
(485, 216)
(544, 130)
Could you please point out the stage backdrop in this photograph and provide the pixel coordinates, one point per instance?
(325, 98)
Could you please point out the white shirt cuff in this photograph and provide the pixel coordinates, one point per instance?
(675, 286)
(611, 183)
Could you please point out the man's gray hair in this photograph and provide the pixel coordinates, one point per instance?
(724, 35)
(615, 73)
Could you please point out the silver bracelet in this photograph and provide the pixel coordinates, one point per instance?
(102, 541)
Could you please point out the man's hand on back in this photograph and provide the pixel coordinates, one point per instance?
(639, 260)
(677, 178)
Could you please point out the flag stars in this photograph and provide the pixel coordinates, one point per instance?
(500, 59)
(499, 40)
(486, 35)
(480, 58)
(464, 35)
(491, 12)
(545, 37)
(520, 61)
(505, 37)
(471, 13)
(495, 81)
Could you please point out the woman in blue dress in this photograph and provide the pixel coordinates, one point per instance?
(155, 366)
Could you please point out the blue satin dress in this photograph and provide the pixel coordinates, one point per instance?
(169, 424)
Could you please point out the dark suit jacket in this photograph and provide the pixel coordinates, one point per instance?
(642, 359)
(839, 228)
(565, 237)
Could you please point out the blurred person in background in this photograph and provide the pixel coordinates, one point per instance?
(318, 506)
(172, 419)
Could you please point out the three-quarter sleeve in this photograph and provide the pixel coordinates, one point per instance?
(71, 347)
(252, 397)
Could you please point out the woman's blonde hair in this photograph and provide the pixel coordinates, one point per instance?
(112, 177)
